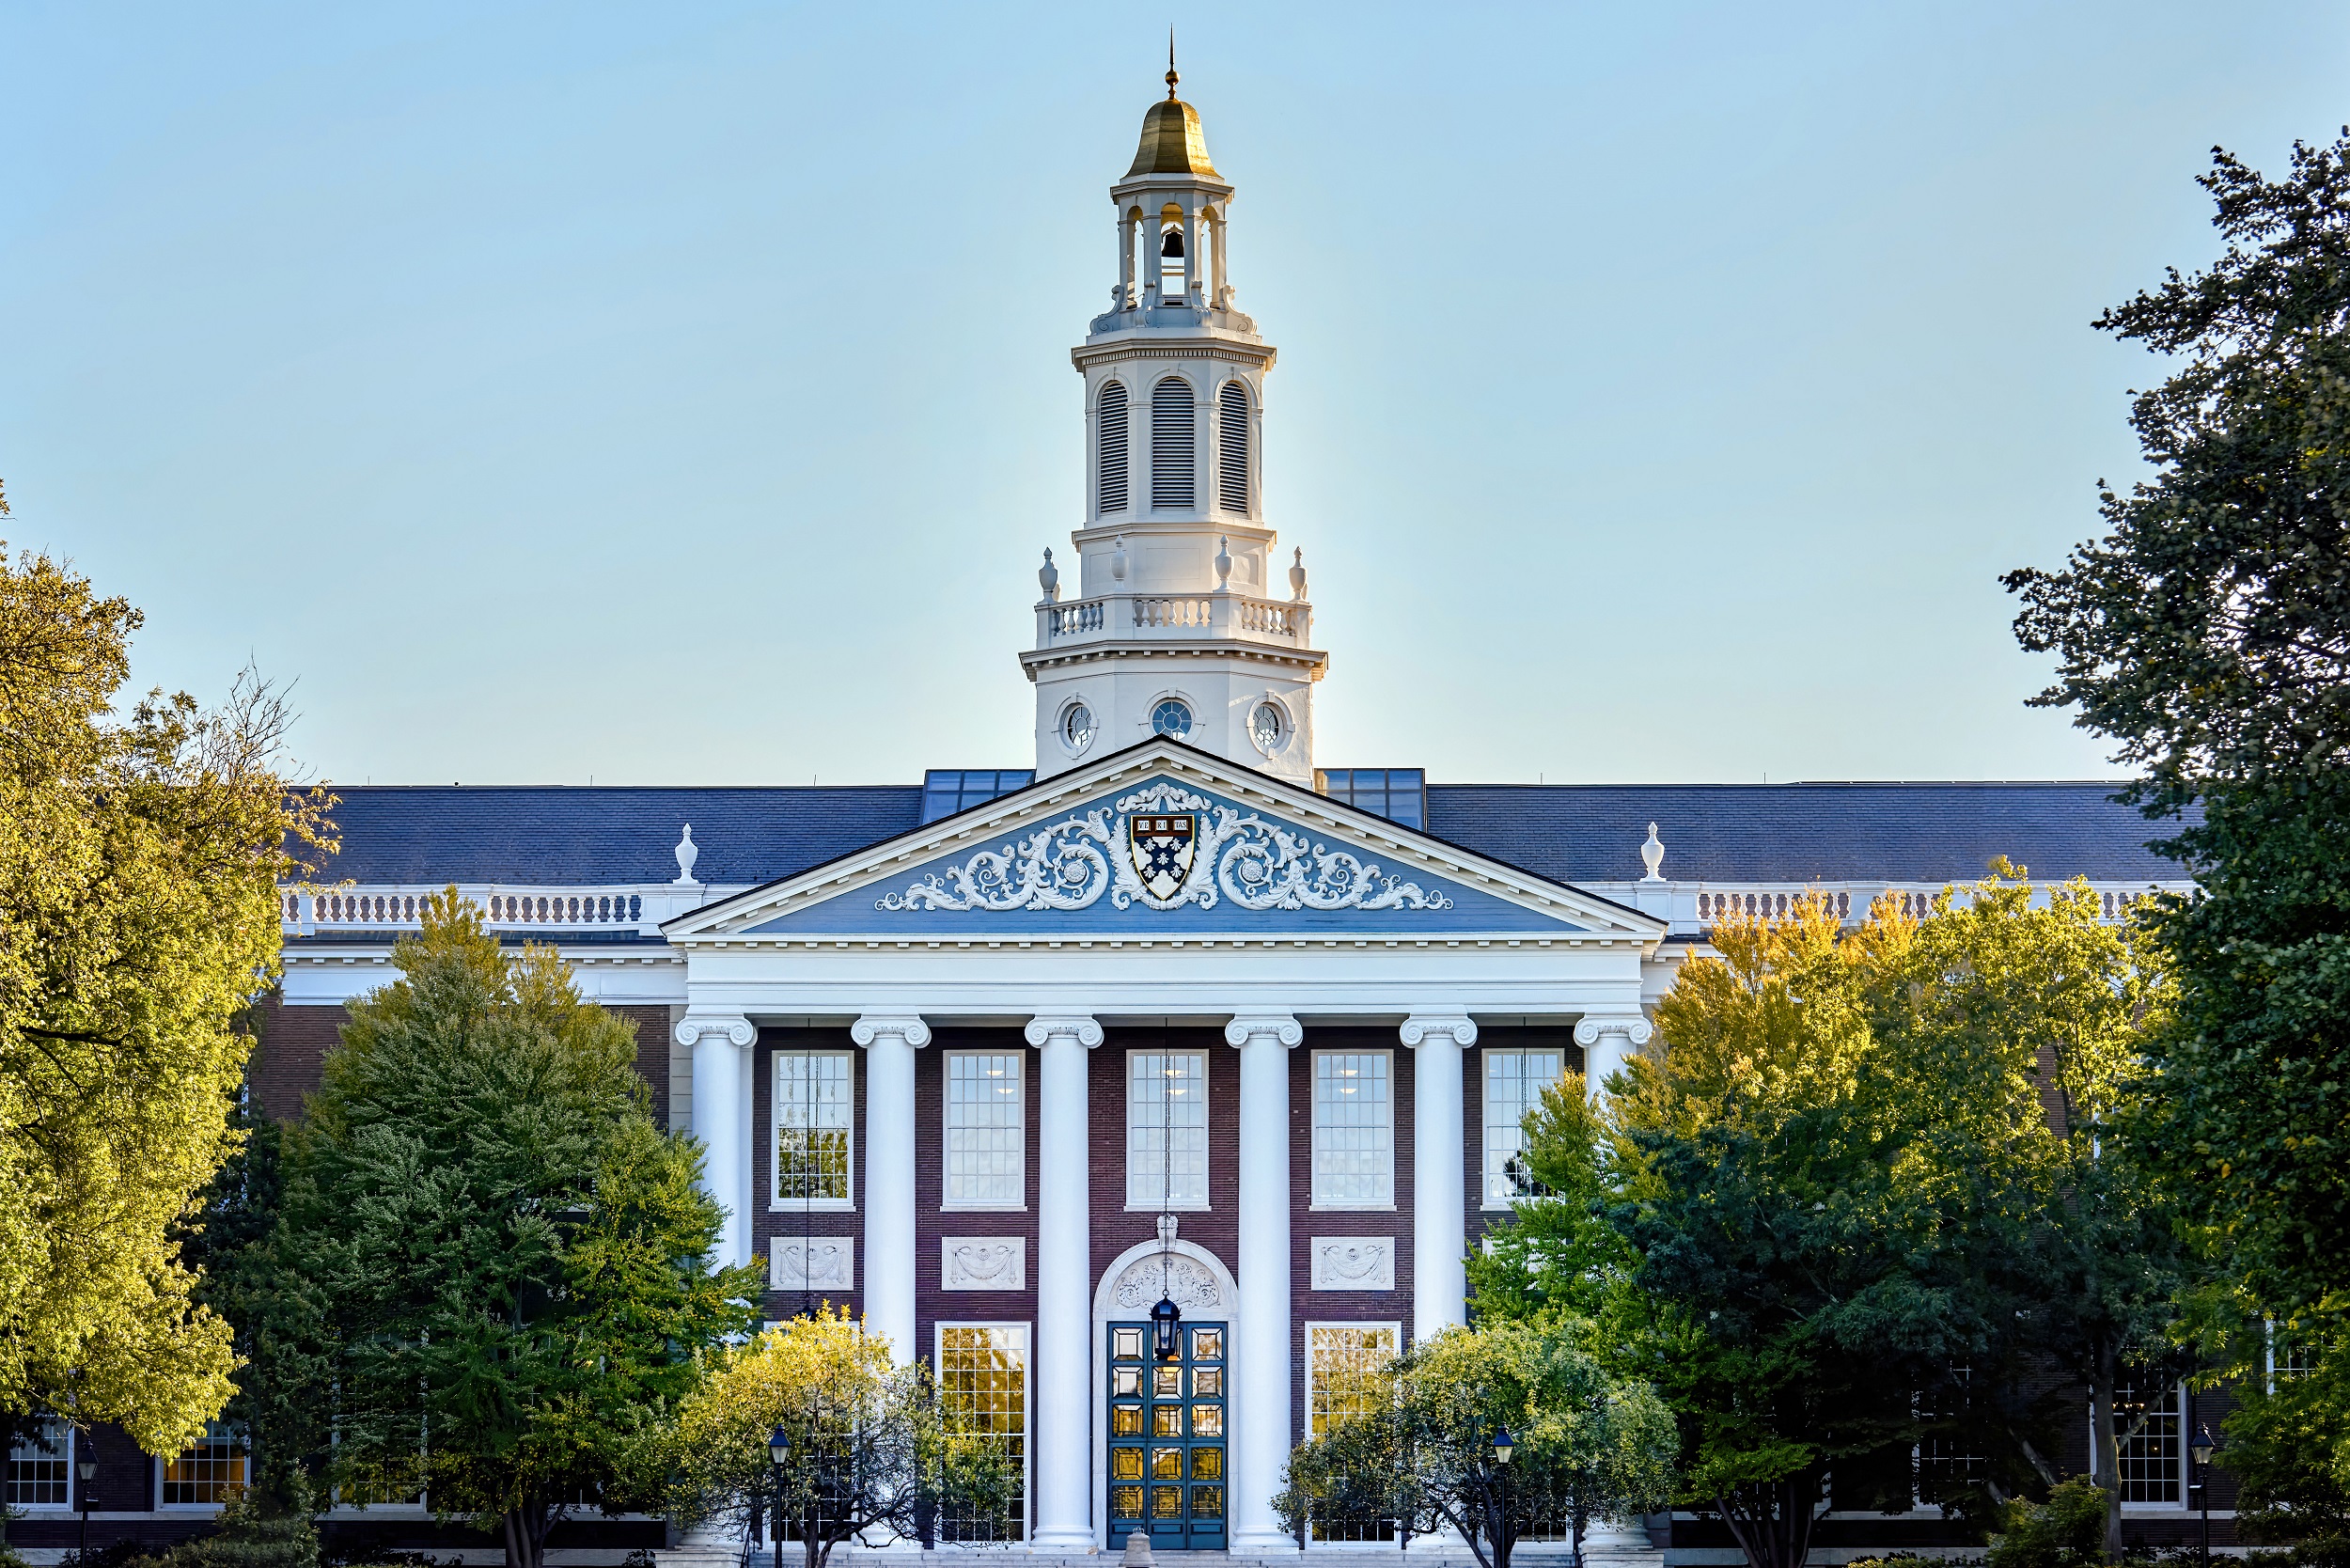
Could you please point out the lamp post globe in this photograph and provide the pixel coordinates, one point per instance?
(1504, 1444)
(778, 1447)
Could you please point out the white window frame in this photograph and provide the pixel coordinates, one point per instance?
(1315, 1201)
(2185, 1471)
(162, 1467)
(1306, 1346)
(776, 1201)
(947, 1134)
(1206, 1201)
(1028, 1402)
(1485, 1198)
(72, 1478)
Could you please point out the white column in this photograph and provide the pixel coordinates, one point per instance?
(1062, 1377)
(1439, 1158)
(1195, 265)
(721, 1043)
(1123, 300)
(1260, 1336)
(1608, 1040)
(890, 1042)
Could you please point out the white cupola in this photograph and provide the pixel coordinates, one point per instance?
(1175, 625)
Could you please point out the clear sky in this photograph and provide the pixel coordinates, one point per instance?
(680, 393)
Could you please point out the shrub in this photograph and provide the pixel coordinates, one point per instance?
(2066, 1532)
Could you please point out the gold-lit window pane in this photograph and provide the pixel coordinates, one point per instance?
(1166, 1502)
(1167, 1381)
(1126, 1501)
(1207, 1502)
(1207, 1421)
(1207, 1464)
(1126, 1343)
(1125, 1463)
(812, 1110)
(1344, 1371)
(1166, 1464)
(1167, 1420)
(1208, 1382)
(1207, 1344)
(983, 1379)
(1126, 1420)
(208, 1470)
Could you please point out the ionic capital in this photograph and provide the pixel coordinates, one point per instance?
(1634, 1026)
(1444, 1027)
(1267, 1025)
(870, 1026)
(1042, 1031)
(731, 1027)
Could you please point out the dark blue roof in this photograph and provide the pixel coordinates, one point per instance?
(1804, 832)
(556, 835)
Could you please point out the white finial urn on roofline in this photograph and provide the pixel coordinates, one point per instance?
(687, 853)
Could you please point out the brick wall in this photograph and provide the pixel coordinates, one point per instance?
(769, 1224)
(931, 1225)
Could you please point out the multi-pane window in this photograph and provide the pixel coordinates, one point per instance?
(1354, 1131)
(209, 1471)
(812, 1109)
(2151, 1455)
(1947, 1462)
(1166, 1130)
(987, 1152)
(1343, 1361)
(1514, 1081)
(41, 1466)
(983, 1383)
(2288, 1357)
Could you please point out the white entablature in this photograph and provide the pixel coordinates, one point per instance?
(1176, 614)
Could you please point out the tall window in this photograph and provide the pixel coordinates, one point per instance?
(1948, 1462)
(209, 1471)
(1354, 1131)
(2288, 1357)
(1342, 1363)
(1232, 466)
(2150, 1456)
(987, 1123)
(1110, 433)
(983, 1380)
(40, 1464)
(812, 1128)
(1514, 1081)
(1171, 453)
(1166, 1130)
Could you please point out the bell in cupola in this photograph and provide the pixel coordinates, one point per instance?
(1172, 246)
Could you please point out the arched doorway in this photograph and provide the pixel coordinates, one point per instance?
(1202, 1287)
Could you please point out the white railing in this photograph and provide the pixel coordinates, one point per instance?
(1148, 616)
(635, 907)
(1697, 905)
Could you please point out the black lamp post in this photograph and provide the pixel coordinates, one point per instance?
(778, 1454)
(2201, 1448)
(86, 1471)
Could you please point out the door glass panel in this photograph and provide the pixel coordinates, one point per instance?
(1126, 1501)
(1126, 1464)
(1207, 1502)
(1207, 1344)
(1206, 1382)
(1207, 1464)
(1126, 1420)
(1167, 1420)
(1126, 1343)
(1174, 1488)
(1166, 1464)
(1207, 1421)
(1167, 1381)
(1166, 1502)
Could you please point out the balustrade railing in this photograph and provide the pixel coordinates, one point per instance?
(503, 908)
(1075, 620)
(1848, 903)
(1178, 610)
(1119, 615)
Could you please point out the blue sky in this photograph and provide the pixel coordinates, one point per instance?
(682, 393)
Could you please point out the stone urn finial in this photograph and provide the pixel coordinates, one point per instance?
(1118, 561)
(1297, 574)
(687, 853)
(1222, 564)
(1048, 577)
(1652, 855)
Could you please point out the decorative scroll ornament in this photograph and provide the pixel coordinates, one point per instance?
(812, 1264)
(984, 1262)
(1354, 1264)
(1178, 848)
(1185, 1281)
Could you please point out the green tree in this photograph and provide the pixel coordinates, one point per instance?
(874, 1447)
(515, 1261)
(139, 859)
(2207, 635)
(1417, 1451)
(2288, 1438)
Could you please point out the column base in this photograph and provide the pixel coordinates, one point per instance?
(1061, 1538)
(1262, 1539)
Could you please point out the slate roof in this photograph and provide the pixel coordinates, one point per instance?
(1933, 832)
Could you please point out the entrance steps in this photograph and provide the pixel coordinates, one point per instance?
(1612, 1549)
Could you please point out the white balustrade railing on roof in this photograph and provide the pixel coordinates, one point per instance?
(635, 907)
(1696, 905)
(1173, 615)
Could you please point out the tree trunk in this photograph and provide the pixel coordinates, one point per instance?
(2104, 1448)
(1772, 1521)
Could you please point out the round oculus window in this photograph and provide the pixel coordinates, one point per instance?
(1268, 727)
(1076, 726)
(1172, 717)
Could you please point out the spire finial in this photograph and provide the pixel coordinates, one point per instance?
(1171, 77)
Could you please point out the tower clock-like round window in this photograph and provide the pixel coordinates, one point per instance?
(1076, 726)
(1268, 727)
(1171, 718)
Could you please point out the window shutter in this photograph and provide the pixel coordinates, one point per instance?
(1171, 444)
(1110, 425)
(1231, 477)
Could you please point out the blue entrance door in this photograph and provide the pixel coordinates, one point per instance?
(1167, 1438)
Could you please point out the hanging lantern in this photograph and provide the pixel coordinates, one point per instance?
(1166, 1322)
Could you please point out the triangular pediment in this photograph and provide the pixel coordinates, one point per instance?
(1161, 841)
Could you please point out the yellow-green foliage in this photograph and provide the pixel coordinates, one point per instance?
(139, 865)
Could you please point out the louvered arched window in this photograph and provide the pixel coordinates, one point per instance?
(1110, 433)
(1232, 468)
(1171, 444)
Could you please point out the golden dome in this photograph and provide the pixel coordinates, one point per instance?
(1172, 142)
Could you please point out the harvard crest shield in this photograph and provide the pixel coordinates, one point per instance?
(1160, 850)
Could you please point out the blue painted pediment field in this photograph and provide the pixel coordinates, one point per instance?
(1166, 859)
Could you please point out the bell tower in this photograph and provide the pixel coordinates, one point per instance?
(1182, 618)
